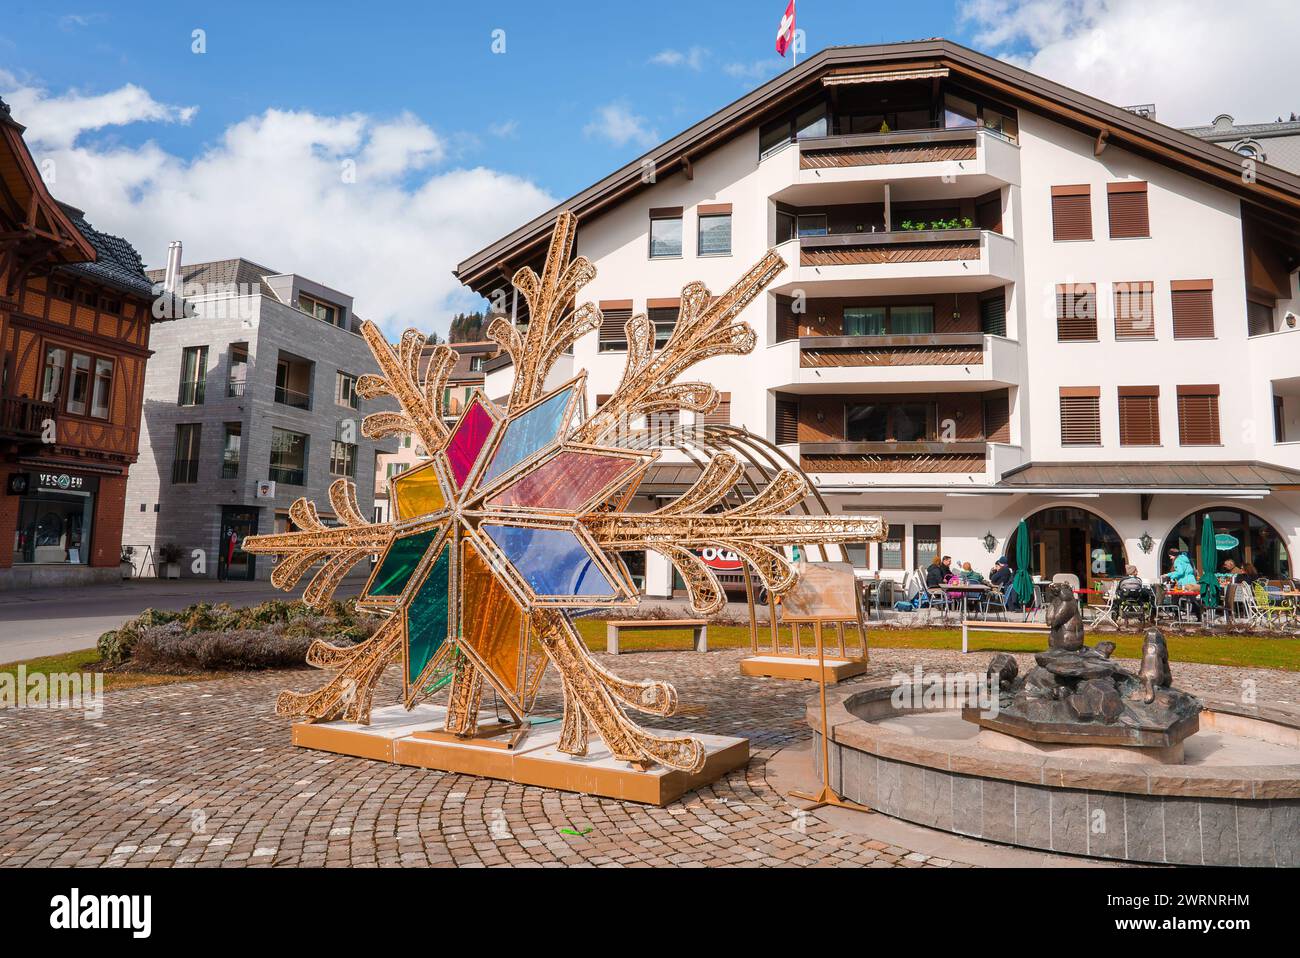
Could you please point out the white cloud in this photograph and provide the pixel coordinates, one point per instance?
(692, 59)
(61, 119)
(1193, 58)
(616, 123)
(274, 188)
(754, 72)
(506, 129)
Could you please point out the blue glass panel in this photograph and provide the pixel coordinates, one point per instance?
(426, 619)
(400, 561)
(527, 434)
(552, 561)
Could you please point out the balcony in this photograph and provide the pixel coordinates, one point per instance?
(292, 397)
(24, 418)
(953, 361)
(972, 159)
(898, 458)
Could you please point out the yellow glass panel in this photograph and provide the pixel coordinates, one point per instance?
(491, 623)
(417, 493)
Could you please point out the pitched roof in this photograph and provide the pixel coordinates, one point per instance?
(223, 273)
(1272, 186)
(1141, 476)
(117, 262)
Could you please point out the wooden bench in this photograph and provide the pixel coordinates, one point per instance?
(699, 629)
(985, 626)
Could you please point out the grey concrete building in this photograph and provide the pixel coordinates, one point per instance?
(248, 405)
(1277, 143)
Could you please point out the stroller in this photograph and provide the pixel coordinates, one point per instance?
(1134, 599)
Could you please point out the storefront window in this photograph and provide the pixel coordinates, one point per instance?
(1241, 536)
(54, 520)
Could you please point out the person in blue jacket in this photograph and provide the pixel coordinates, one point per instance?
(1183, 574)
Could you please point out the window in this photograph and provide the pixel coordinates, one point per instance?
(1279, 419)
(1261, 318)
(230, 451)
(326, 312)
(1135, 316)
(925, 545)
(666, 232)
(993, 315)
(812, 224)
(293, 383)
(343, 459)
(1139, 415)
(722, 414)
(787, 421)
(786, 226)
(911, 320)
(856, 554)
(476, 363)
(714, 237)
(103, 394)
(194, 370)
(614, 314)
(888, 422)
(891, 548)
(958, 112)
(1192, 303)
(185, 462)
(663, 314)
(888, 320)
(288, 457)
(56, 360)
(1080, 416)
(237, 378)
(811, 120)
(1127, 204)
(1071, 213)
(1076, 313)
(1198, 415)
(394, 469)
(345, 389)
(864, 320)
(79, 384)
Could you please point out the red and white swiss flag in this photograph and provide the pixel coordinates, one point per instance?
(785, 32)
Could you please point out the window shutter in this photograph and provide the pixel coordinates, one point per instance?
(787, 421)
(722, 414)
(993, 315)
(1128, 210)
(1198, 415)
(997, 419)
(1135, 315)
(614, 314)
(1139, 415)
(1193, 308)
(1080, 416)
(1076, 312)
(1072, 212)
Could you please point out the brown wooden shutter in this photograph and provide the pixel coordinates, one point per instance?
(1080, 416)
(1139, 415)
(997, 419)
(1076, 312)
(1193, 308)
(1135, 314)
(722, 414)
(614, 314)
(1198, 415)
(787, 421)
(713, 209)
(1127, 203)
(1072, 212)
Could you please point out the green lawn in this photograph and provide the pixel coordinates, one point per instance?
(1254, 651)
(88, 660)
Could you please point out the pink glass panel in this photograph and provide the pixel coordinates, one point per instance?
(463, 448)
(565, 481)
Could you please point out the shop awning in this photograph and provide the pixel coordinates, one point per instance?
(1153, 476)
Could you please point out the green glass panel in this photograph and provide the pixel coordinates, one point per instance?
(400, 561)
(426, 619)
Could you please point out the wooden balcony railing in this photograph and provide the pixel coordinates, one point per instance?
(932, 349)
(893, 457)
(877, 149)
(899, 246)
(24, 418)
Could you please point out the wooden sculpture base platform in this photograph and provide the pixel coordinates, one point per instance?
(802, 667)
(416, 738)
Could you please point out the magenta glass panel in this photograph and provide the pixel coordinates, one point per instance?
(565, 481)
(463, 448)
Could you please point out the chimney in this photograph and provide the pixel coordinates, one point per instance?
(172, 275)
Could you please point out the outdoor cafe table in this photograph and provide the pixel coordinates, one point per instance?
(967, 589)
(1185, 597)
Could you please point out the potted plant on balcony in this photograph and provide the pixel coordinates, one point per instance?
(127, 562)
(170, 559)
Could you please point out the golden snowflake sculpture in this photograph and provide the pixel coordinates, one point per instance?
(519, 516)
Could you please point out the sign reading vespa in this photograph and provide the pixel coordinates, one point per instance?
(59, 480)
(719, 559)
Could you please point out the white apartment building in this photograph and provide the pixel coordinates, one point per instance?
(1004, 301)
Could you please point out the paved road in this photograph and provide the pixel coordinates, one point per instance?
(51, 621)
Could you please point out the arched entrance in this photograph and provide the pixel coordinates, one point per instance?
(1070, 539)
(1242, 537)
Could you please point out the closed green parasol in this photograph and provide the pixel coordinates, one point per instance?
(1209, 562)
(1023, 583)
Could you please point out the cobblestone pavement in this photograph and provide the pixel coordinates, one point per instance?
(203, 774)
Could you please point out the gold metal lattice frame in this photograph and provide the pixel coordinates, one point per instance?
(757, 526)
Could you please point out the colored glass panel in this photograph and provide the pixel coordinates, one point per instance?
(399, 562)
(467, 440)
(417, 493)
(426, 618)
(565, 481)
(553, 562)
(491, 623)
(527, 433)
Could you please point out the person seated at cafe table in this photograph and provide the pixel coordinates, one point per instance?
(1250, 573)
(1182, 574)
(970, 576)
(1230, 570)
(938, 572)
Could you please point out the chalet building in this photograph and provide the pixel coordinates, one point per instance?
(76, 312)
(1004, 300)
(466, 378)
(249, 405)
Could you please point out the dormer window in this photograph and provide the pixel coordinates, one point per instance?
(326, 312)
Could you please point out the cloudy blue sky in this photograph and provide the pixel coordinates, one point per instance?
(236, 142)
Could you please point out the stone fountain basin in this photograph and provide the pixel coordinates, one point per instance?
(1233, 800)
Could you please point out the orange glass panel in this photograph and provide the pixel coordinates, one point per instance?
(417, 492)
(491, 623)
